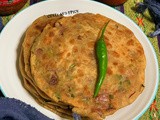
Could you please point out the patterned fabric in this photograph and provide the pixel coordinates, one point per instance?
(154, 8)
(146, 23)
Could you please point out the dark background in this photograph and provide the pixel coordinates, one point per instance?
(1, 95)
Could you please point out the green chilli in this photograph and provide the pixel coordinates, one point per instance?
(102, 58)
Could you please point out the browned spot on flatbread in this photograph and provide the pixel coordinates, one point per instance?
(51, 34)
(130, 42)
(39, 51)
(115, 63)
(80, 72)
(72, 41)
(39, 27)
(109, 71)
(75, 49)
(115, 54)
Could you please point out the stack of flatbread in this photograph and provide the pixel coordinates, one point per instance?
(59, 65)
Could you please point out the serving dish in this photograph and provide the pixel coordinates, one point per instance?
(12, 35)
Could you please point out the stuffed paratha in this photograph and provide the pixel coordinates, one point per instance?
(31, 35)
(63, 65)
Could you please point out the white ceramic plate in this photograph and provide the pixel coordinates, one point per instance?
(10, 39)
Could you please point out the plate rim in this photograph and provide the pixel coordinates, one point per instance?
(126, 17)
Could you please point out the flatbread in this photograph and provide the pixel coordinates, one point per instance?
(33, 31)
(64, 65)
(31, 34)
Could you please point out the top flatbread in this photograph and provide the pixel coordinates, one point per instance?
(64, 65)
(31, 34)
